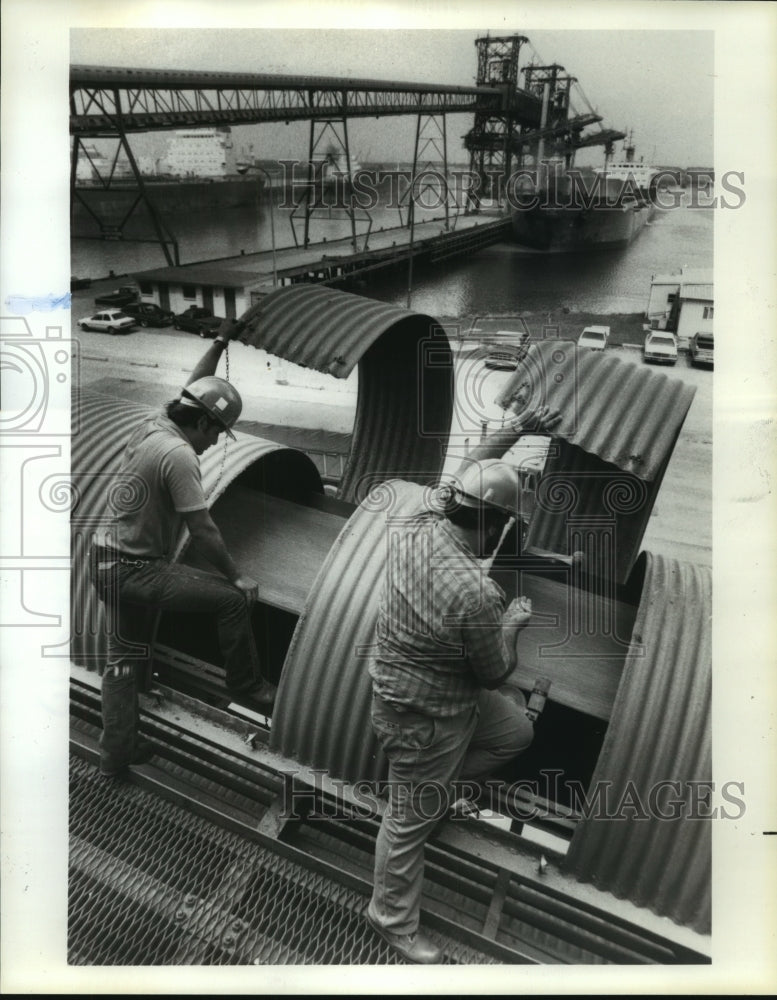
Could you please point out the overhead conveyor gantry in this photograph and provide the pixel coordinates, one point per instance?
(146, 100)
(116, 102)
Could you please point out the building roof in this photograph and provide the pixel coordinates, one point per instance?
(697, 275)
(202, 274)
(691, 290)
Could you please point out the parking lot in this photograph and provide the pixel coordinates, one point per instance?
(149, 365)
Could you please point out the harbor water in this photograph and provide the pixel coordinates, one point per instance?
(503, 279)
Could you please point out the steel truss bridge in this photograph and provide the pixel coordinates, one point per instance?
(111, 102)
(104, 100)
(510, 123)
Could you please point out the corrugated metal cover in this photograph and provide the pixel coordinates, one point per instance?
(624, 413)
(587, 504)
(406, 385)
(322, 712)
(104, 425)
(659, 732)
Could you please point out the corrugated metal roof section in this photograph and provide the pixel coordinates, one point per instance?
(322, 711)
(406, 385)
(659, 732)
(105, 424)
(322, 328)
(625, 413)
(587, 504)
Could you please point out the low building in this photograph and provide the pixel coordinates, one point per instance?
(224, 291)
(696, 310)
(683, 303)
(662, 298)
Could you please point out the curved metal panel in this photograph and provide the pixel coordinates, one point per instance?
(587, 504)
(406, 384)
(105, 424)
(624, 413)
(323, 328)
(659, 732)
(322, 711)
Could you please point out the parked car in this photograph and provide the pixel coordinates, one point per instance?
(108, 321)
(149, 313)
(701, 349)
(510, 348)
(121, 296)
(198, 319)
(594, 337)
(660, 347)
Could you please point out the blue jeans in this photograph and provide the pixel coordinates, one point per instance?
(426, 755)
(135, 593)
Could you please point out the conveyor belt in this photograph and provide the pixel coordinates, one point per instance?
(285, 544)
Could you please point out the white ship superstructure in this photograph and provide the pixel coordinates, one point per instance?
(627, 171)
(638, 174)
(202, 152)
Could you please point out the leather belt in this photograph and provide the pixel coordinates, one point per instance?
(108, 557)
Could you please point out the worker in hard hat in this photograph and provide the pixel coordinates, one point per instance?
(133, 560)
(444, 645)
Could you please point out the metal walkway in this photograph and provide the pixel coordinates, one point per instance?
(152, 884)
(196, 858)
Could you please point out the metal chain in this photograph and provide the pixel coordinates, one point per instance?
(226, 436)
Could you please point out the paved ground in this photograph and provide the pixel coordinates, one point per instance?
(150, 365)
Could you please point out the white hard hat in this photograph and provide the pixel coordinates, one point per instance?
(217, 397)
(490, 483)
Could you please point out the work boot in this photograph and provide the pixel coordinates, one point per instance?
(416, 948)
(463, 808)
(144, 751)
(119, 709)
(260, 694)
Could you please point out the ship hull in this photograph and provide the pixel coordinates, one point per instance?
(566, 214)
(571, 230)
(168, 197)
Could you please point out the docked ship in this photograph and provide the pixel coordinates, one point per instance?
(589, 208)
(199, 172)
(528, 146)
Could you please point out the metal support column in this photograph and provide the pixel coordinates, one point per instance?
(162, 235)
(319, 195)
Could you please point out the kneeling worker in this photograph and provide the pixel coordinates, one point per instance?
(444, 645)
(133, 567)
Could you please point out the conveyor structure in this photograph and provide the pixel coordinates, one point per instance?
(199, 858)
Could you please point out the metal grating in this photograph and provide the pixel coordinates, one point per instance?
(153, 884)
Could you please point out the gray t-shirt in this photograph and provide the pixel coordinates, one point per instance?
(159, 480)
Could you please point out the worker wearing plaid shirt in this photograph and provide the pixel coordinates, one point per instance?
(444, 644)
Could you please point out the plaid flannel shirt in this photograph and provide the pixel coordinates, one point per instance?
(438, 635)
